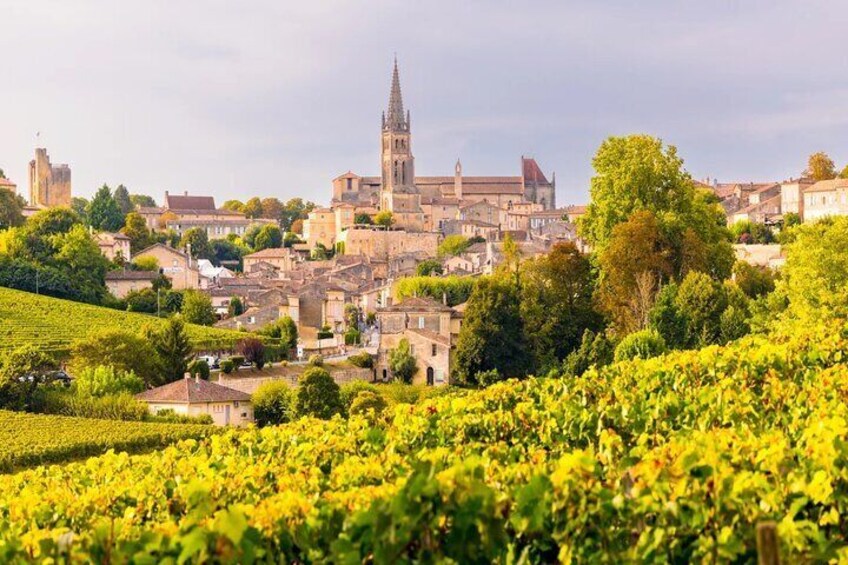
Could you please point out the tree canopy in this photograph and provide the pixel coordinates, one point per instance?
(820, 167)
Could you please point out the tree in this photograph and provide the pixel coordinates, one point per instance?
(79, 255)
(452, 245)
(643, 344)
(146, 263)
(119, 350)
(236, 307)
(249, 236)
(103, 212)
(100, 381)
(196, 240)
(556, 303)
(318, 395)
(701, 300)
(753, 281)
(844, 173)
(384, 218)
(820, 167)
(80, 206)
(429, 267)
(402, 362)
(11, 209)
(233, 205)
(22, 371)
(273, 403)
(122, 199)
(269, 237)
(135, 228)
(363, 219)
(595, 351)
(142, 201)
(173, 348)
(199, 368)
(253, 208)
(294, 210)
(197, 308)
(666, 319)
(221, 250)
(253, 351)
(272, 208)
(492, 335)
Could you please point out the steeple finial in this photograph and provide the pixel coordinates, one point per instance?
(395, 118)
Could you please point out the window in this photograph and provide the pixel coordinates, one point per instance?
(433, 353)
(420, 322)
(251, 320)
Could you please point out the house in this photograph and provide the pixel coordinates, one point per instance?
(792, 196)
(282, 259)
(113, 245)
(121, 283)
(761, 255)
(182, 212)
(826, 198)
(211, 272)
(320, 227)
(177, 265)
(195, 396)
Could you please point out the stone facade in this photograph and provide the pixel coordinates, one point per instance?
(176, 265)
(49, 185)
(826, 198)
(380, 243)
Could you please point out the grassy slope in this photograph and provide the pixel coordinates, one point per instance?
(53, 324)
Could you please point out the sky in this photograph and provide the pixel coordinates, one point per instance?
(272, 98)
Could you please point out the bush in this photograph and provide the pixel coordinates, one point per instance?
(168, 416)
(456, 289)
(273, 403)
(104, 381)
(64, 402)
(352, 336)
(227, 366)
(318, 395)
(120, 350)
(595, 351)
(325, 333)
(253, 351)
(643, 344)
(363, 360)
(199, 368)
(402, 362)
(400, 393)
(236, 360)
(350, 390)
(197, 308)
(316, 360)
(369, 404)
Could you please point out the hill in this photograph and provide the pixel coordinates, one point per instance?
(54, 324)
(674, 459)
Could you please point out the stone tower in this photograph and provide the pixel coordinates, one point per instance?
(398, 192)
(49, 185)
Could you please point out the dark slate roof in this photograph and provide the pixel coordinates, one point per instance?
(174, 202)
(192, 391)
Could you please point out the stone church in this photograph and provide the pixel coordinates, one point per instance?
(422, 203)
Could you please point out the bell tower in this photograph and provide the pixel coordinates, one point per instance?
(398, 164)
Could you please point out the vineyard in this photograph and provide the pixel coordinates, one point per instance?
(53, 324)
(27, 440)
(672, 459)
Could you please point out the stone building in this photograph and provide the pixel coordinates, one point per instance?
(176, 265)
(826, 198)
(181, 212)
(49, 185)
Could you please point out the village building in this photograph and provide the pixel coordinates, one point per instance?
(177, 265)
(384, 243)
(113, 245)
(826, 198)
(792, 196)
(121, 283)
(183, 212)
(280, 259)
(196, 397)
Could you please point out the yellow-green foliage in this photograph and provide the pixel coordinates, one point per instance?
(53, 325)
(672, 459)
(455, 289)
(33, 439)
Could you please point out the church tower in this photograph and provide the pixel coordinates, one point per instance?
(398, 193)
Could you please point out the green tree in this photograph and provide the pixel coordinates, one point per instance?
(402, 362)
(120, 350)
(294, 210)
(273, 403)
(667, 320)
(135, 228)
(103, 381)
(318, 395)
(221, 250)
(269, 237)
(122, 199)
(791, 219)
(429, 267)
(80, 206)
(233, 205)
(21, 373)
(753, 281)
(820, 167)
(197, 308)
(556, 303)
(198, 241)
(492, 335)
(103, 212)
(643, 344)
(78, 254)
(173, 348)
(363, 219)
(842, 175)
(701, 300)
(452, 245)
(384, 218)
(595, 350)
(272, 208)
(249, 236)
(253, 208)
(11, 209)
(198, 368)
(235, 307)
(142, 201)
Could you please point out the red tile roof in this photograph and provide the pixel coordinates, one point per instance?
(192, 391)
(532, 172)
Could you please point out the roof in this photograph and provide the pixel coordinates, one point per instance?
(576, 209)
(430, 335)
(6, 183)
(192, 391)
(270, 253)
(131, 275)
(416, 304)
(186, 202)
(532, 172)
(163, 246)
(828, 185)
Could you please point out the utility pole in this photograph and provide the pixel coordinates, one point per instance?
(158, 309)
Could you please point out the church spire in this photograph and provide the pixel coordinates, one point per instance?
(395, 119)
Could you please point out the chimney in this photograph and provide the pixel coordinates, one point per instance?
(185, 193)
(166, 193)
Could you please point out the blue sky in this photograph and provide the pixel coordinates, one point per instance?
(276, 98)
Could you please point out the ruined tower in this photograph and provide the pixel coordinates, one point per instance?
(49, 185)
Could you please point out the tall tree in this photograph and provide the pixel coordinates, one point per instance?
(11, 209)
(492, 337)
(136, 229)
(844, 173)
(293, 210)
(80, 206)
(122, 199)
(233, 205)
(272, 208)
(253, 208)
(173, 348)
(269, 237)
(103, 212)
(820, 167)
(197, 308)
(197, 239)
(142, 201)
(402, 362)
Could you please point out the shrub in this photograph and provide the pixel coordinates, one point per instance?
(316, 360)
(253, 351)
(273, 403)
(168, 416)
(348, 391)
(199, 368)
(486, 378)
(352, 336)
(400, 393)
(23, 370)
(643, 344)
(318, 394)
(236, 360)
(363, 360)
(64, 402)
(120, 350)
(103, 381)
(197, 308)
(325, 333)
(227, 366)
(402, 362)
(595, 351)
(368, 403)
